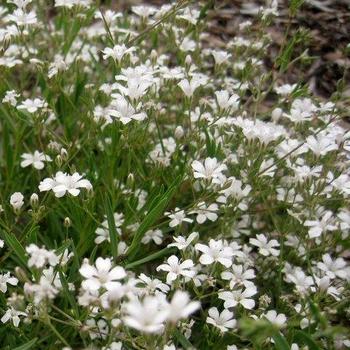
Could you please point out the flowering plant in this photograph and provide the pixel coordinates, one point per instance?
(162, 191)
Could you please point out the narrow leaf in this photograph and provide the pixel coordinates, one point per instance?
(27, 345)
(154, 256)
(280, 341)
(16, 246)
(183, 340)
(111, 228)
(304, 338)
(151, 217)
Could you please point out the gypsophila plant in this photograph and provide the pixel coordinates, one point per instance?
(162, 191)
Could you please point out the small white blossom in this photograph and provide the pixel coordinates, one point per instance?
(266, 247)
(235, 297)
(7, 279)
(182, 243)
(36, 159)
(101, 275)
(215, 252)
(176, 269)
(16, 200)
(12, 315)
(177, 217)
(209, 170)
(62, 183)
(224, 320)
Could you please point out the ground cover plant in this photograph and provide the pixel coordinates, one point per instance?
(162, 191)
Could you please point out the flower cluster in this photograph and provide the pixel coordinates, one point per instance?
(164, 190)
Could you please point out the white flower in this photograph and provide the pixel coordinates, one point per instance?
(112, 297)
(31, 106)
(285, 89)
(334, 268)
(144, 11)
(235, 297)
(153, 235)
(102, 232)
(181, 307)
(209, 170)
(324, 285)
(11, 97)
(39, 257)
(203, 212)
(321, 145)
(114, 346)
(43, 290)
(238, 276)
(177, 217)
(122, 110)
(22, 18)
(20, 3)
(153, 285)
(182, 243)
(223, 320)
(146, 316)
(301, 110)
(220, 56)
(37, 160)
(176, 269)
(215, 252)
(266, 247)
(103, 275)
(109, 16)
(236, 191)
(117, 52)
(227, 102)
(189, 87)
(7, 279)
(65, 3)
(187, 45)
(97, 330)
(12, 315)
(16, 200)
(302, 282)
(59, 65)
(322, 225)
(278, 320)
(63, 182)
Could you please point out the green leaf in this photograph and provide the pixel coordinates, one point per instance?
(304, 338)
(27, 345)
(280, 341)
(111, 228)
(294, 6)
(16, 246)
(285, 57)
(68, 294)
(158, 254)
(151, 217)
(210, 143)
(317, 314)
(74, 30)
(183, 340)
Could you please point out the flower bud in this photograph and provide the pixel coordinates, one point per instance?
(34, 200)
(67, 222)
(154, 55)
(188, 60)
(179, 132)
(276, 114)
(130, 180)
(16, 200)
(59, 161)
(21, 275)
